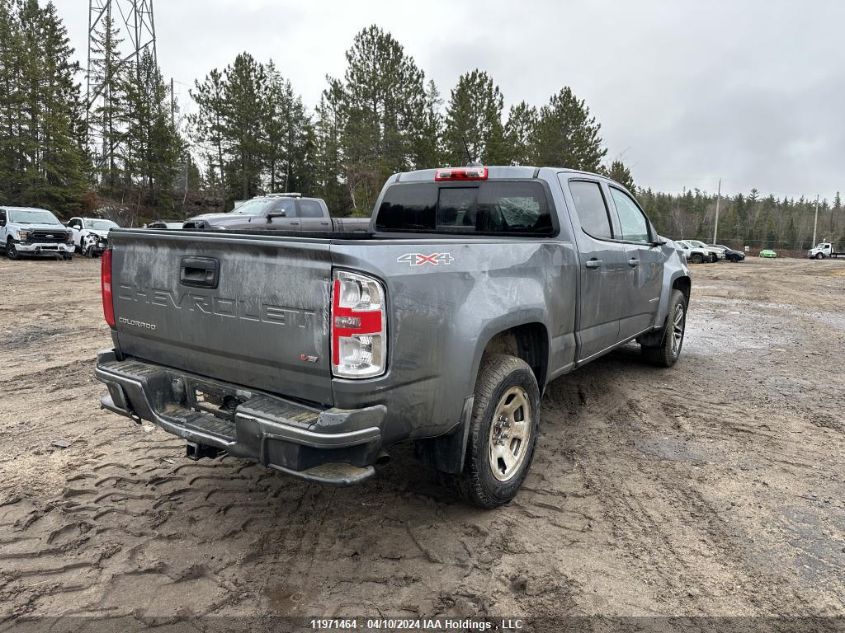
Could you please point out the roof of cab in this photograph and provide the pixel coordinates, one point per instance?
(493, 171)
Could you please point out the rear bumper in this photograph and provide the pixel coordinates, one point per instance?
(335, 446)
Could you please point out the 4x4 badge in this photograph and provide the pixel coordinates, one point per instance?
(421, 259)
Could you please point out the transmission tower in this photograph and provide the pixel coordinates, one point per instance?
(135, 33)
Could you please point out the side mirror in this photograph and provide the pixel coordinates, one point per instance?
(277, 214)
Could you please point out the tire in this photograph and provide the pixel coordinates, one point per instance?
(696, 258)
(11, 251)
(819, 255)
(668, 351)
(503, 381)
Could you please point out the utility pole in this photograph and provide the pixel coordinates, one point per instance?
(816, 220)
(718, 200)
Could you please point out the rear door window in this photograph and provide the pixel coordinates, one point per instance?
(310, 209)
(591, 208)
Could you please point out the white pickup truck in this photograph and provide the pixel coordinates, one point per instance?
(824, 249)
(91, 235)
(37, 232)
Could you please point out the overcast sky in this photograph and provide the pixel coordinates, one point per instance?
(752, 92)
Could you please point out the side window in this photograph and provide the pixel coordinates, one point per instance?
(310, 209)
(591, 208)
(633, 222)
(285, 205)
(2, 217)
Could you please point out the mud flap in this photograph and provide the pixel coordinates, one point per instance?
(446, 453)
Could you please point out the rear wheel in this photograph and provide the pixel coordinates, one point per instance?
(667, 352)
(503, 431)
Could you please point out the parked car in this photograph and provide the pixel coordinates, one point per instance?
(824, 249)
(171, 225)
(36, 232)
(715, 254)
(694, 254)
(91, 235)
(767, 252)
(730, 254)
(288, 212)
(313, 355)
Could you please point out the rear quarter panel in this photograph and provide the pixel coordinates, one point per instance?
(442, 315)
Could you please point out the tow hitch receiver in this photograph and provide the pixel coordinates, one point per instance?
(196, 451)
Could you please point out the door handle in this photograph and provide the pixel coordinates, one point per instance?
(633, 262)
(593, 263)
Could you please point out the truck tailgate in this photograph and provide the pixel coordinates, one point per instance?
(249, 310)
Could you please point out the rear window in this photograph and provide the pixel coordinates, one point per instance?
(492, 207)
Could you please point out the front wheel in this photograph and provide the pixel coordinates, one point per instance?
(696, 258)
(11, 250)
(819, 255)
(667, 352)
(503, 431)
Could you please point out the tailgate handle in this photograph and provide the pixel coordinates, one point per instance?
(199, 272)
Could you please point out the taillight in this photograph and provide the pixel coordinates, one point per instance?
(359, 326)
(461, 173)
(105, 286)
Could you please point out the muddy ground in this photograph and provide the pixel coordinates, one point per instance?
(714, 488)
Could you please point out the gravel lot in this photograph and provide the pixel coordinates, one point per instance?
(716, 488)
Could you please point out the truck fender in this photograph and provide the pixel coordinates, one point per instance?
(665, 295)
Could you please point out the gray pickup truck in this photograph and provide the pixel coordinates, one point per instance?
(287, 212)
(474, 288)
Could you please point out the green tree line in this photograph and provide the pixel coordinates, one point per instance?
(250, 133)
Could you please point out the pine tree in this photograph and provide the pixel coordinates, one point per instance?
(474, 130)
(209, 127)
(42, 157)
(244, 95)
(328, 131)
(427, 151)
(519, 131)
(108, 118)
(566, 135)
(11, 46)
(383, 96)
(288, 133)
(153, 156)
(621, 174)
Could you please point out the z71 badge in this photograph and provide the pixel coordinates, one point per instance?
(421, 259)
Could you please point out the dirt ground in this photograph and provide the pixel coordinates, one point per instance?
(715, 488)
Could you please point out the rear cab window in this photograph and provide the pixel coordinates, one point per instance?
(492, 207)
